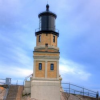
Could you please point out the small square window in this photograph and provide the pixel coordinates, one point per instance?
(52, 67)
(40, 66)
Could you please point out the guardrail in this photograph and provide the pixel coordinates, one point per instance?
(7, 86)
(27, 78)
(6, 93)
(77, 90)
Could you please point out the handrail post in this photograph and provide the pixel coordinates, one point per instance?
(69, 88)
(83, 91)
(97, 95)
(88, 93)
(17, 82)
(74, 91)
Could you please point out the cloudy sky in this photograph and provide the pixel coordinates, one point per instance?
(78, 22)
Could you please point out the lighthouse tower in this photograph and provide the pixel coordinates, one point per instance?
(45, 84)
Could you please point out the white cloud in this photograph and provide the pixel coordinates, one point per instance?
(73, 71)
(15, 72)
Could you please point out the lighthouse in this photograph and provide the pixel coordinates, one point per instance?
(45, 82)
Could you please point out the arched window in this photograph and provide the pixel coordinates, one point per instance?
(39, 38)
(52, 67)
(40, 66)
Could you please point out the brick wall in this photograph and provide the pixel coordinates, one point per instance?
(46, 39)
(40, 73)
(52, 73)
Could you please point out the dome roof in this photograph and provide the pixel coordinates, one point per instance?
(47, 12)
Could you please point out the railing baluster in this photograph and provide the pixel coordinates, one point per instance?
(74, 89)
(69, 88)
(88, 93)
(97, 95)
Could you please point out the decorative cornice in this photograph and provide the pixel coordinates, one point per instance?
(45, 52)
(47, 57)
(46, 32)
(43, 47)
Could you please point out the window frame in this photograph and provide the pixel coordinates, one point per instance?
(39, 38)
(54, 38)
(40, 67)
(51, 67)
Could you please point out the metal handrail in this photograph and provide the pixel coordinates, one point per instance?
(27, 78)
(83, 91)
(79, 87)
(6, 93)
(7, 89)
(79, 91)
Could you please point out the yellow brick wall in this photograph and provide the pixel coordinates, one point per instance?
(49, 50)
(40, 73)
(52, 73)
(53, 43)
(49, 40)
(46, 39)
(45, 54)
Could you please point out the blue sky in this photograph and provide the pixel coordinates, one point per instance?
(78, 22)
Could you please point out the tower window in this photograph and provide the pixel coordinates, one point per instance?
(53, 38)
(39, 38)
(46, 44)
(40, 66)
(52, 67)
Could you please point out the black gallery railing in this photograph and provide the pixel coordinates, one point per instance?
(47, 28)
(77, 90)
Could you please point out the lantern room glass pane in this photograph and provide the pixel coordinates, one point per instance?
(40, 23)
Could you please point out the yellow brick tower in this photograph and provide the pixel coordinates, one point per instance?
(45, 84)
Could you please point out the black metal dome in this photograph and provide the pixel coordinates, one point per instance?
(47, 22)
(47, 12)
